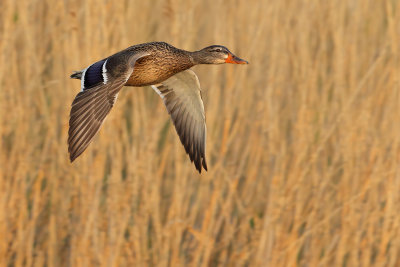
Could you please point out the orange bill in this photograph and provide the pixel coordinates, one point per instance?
(235, 60)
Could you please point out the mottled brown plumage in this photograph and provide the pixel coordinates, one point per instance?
(160, 65)
(163, 62)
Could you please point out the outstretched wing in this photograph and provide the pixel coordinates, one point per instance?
(181, 94)
(99, 92)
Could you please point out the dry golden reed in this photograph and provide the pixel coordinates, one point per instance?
(303, 144)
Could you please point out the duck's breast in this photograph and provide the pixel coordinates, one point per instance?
(157, 68)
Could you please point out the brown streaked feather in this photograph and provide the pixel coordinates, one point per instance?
(182, 97)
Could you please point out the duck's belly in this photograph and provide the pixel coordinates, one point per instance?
(147, 76)
(149, 72)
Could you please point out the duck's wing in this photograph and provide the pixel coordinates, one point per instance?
(181, 94)
(100, 86)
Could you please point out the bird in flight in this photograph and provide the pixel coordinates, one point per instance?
(163, 67)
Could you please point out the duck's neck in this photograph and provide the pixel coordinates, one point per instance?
(198, 57)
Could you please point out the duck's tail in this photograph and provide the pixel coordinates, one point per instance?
(76, 75)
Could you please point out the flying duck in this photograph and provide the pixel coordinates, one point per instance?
(157, 64)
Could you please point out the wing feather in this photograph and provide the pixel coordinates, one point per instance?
(181, 94)
(86, 121)
(91, 106)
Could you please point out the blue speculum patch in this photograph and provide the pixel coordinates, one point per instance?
(94, 74)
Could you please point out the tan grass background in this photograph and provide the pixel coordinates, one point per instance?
(303, 144)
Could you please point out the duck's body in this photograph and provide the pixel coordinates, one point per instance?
(151, 70)
(143, 65)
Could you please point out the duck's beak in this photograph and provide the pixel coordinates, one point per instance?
(235, 60)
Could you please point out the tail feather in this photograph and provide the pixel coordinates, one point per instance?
(76, 75)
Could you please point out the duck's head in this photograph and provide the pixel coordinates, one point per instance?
(216, 54)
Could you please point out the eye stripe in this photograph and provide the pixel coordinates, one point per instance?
(218, 50)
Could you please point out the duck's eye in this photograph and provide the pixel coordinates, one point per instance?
(218, 50)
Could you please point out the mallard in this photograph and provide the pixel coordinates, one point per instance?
(163, 67)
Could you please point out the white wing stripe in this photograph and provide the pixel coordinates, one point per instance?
(104, 72)
(157, 91)
(83, 79)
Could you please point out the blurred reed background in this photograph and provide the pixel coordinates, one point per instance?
(303, 144)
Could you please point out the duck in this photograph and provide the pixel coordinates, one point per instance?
(163, 67)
